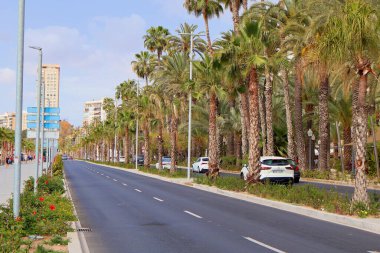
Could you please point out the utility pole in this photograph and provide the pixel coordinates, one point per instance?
(42, 125)
(137, 124)
(19, 98)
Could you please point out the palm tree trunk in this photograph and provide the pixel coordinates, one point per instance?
(209, 45)
(360, 193)
(159, 144)
(244, 112)
(235, 15)
(301, 155)
(146, 145)
(263, 125)
(288, 112)
(237, 148)
(347, 147)
(254, 151)
(127, 144)
(173, 143)
(269, 109)
(213, 142)
(323, 120)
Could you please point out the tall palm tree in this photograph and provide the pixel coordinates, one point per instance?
(156, 40)
(207, 9)
(182, 43)
(208, 80)
(143, 65)
(234, 6)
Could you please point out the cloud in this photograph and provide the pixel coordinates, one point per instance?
(7, 77)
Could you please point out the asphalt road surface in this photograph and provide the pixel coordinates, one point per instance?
(134, 213)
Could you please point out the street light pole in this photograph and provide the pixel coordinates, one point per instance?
(19, 92)
(42, 126)
(115, 139)
(38, 125)
(310, 134)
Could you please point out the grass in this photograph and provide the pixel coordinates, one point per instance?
(117, 164)
(165, 172)
(306, 195)
(58, 240)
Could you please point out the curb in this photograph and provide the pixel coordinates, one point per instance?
(77, 240)
(369, 224)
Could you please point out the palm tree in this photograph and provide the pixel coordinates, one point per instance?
(234, 6)
(156, 40)
(208, 81)
(181, 43)
(207, 9)
(144, 65)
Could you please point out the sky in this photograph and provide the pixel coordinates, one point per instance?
(94, 42)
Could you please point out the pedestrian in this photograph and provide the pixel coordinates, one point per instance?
(6, 162)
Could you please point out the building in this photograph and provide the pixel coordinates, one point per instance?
(93, 110)
(51, 79)
(8, 120)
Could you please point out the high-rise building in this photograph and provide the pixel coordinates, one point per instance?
(8, 120)
(93, 110)
(51, 77)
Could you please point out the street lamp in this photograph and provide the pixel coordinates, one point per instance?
(310, 134)
(190, 100)
(42, 125)
(19, 91)
(38, 130)
(114, 142)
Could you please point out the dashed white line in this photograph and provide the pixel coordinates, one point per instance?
(137, 190)
(193, 214)
(97, 172)
(125, 184)
(102, 174)
(158, 199)
(115, 180)
(264, 245)
(107, 177)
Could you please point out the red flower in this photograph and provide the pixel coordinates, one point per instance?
(18, 218)
(34, 212)
(42, 199)
(52, 207)
(46, 182)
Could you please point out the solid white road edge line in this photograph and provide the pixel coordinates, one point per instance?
(193, 214)
(158, 199)
(137, 190)
(263, 245)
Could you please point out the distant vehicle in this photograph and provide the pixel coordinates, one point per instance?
(200, 165)
(297, 172)
(274, 169)
(64, 157)
(140, 160)
(166, 161)
(70, 157)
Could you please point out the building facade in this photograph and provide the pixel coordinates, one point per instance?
(51, 79)
(93, 110)
(8, 120)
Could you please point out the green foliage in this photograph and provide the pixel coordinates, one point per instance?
(42, 249)
(58, 166)
(11, 230)
(165, 172)
(58, 240)
(307, 195)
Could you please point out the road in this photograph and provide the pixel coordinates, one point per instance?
(134, 213)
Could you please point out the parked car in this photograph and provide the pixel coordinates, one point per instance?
(200, 165)
(64, 157)
(166, 161)
(140, 160)
(297, 172)
(273, 168)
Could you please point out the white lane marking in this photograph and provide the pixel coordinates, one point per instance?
(102, 174)
(158, 199)
(97, 172)
(193, 214)
(115, 180)
(373, 251)
(263, 245)
(137, 190)
(124, 184)
(107, 177)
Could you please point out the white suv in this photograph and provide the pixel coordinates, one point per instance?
(273, 168)
(200, 165)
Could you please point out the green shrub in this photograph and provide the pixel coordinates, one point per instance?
(57, 166)
(11, 231)
(47, 184)
(58, 240)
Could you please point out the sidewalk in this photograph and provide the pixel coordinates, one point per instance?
(7, 179)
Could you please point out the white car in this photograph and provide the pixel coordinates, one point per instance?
(166, 160)
(200, 165)
(273, 168)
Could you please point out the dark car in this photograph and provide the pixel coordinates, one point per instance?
(140, 160)
(297, 172)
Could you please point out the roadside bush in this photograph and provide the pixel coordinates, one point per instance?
(57, 166)
(11, 231)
